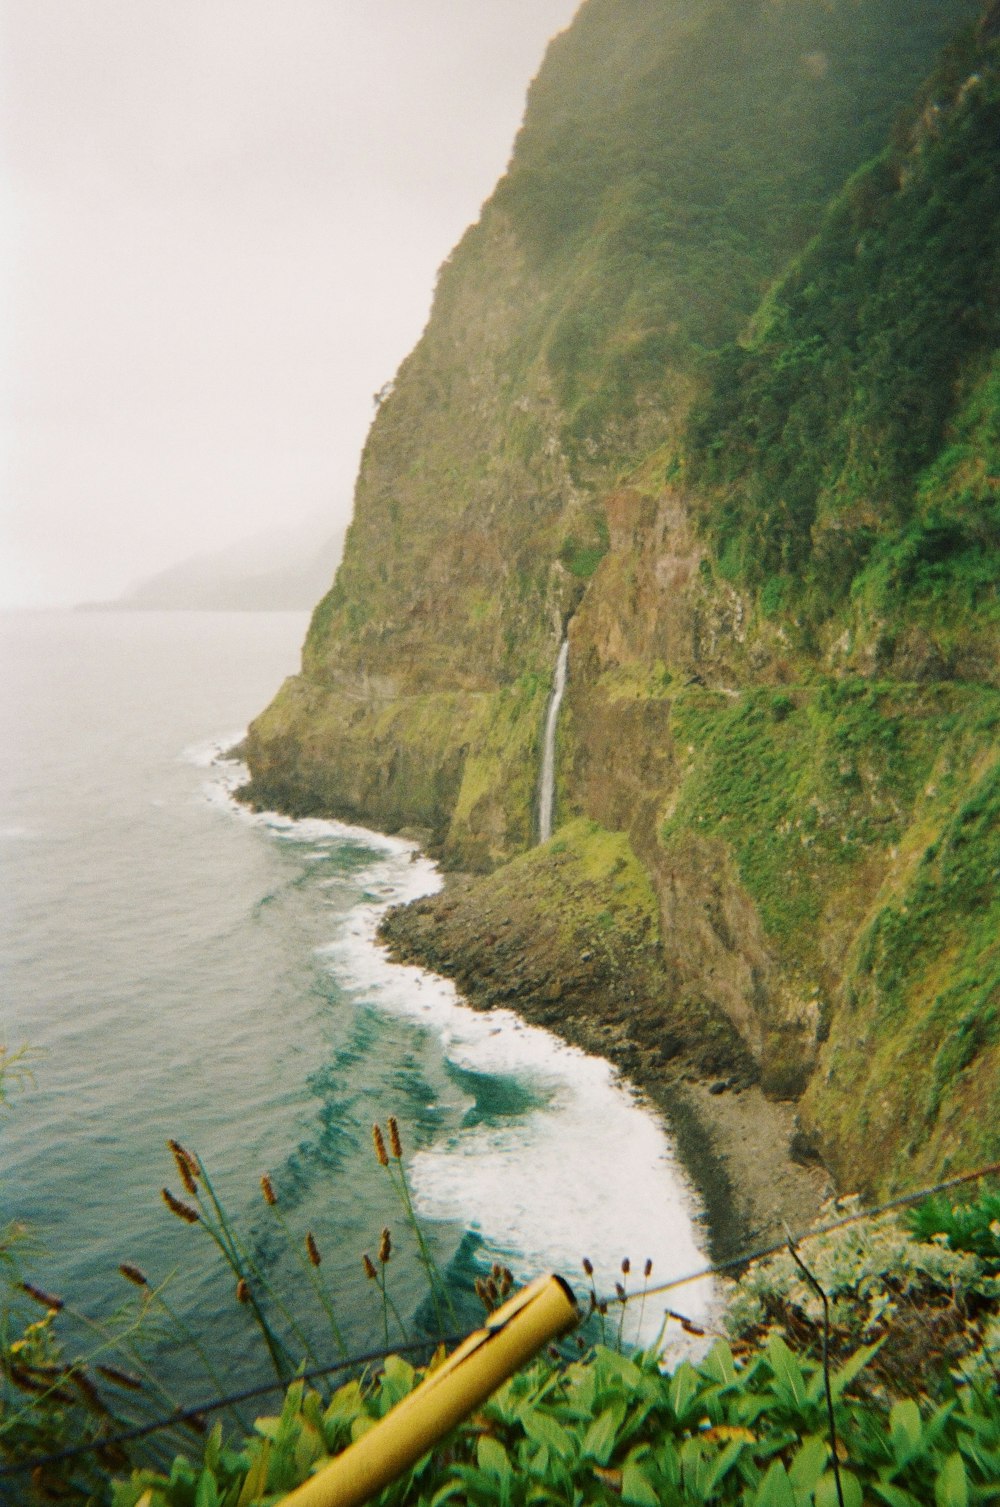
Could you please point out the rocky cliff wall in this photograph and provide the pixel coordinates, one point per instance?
(795, 745)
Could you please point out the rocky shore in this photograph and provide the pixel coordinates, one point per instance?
(515, 940)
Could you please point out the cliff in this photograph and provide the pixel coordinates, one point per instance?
(712, 386)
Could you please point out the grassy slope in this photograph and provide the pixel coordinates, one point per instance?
(846, 450)
(848, 463)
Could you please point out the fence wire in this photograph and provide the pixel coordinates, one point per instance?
(192, 1415)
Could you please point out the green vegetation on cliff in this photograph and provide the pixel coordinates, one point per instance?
(824, 443)
(671, 157)
(653, 194)
(713, 386)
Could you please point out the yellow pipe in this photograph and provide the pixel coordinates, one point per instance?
(511, 1336)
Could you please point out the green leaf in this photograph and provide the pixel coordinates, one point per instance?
(545, 1430)
(809, 1463)
(721, 1465)
(637, 1486)
(346, 1403)
(826, 1490)
(683, 1386)
(207, 1494)
(951, 1489)
(719, 1365)
(668, 1462)
(786, 1368)
(895, 1496)
(213, 1449)
(312, 1410)
(599, 1440)
(453, 1489)
(776, 1489)
(905, 1430)
(292, 1404)
(398, 1378)
(852, 1367)
(618, 1372)
(493, 1458)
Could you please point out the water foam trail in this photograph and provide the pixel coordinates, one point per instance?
(583, 1169)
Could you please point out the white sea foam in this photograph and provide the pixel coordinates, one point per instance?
(588, 1171)
(210, 751)
(585, 1170)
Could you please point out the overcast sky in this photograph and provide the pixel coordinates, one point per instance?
(221, 222)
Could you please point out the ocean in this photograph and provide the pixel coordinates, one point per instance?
(182, 967)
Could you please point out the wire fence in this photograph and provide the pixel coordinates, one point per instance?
(195, 1414)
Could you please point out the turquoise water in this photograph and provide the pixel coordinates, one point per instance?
(184, 968)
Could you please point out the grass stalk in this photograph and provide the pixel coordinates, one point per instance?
(309, 1264)
(397, 1176)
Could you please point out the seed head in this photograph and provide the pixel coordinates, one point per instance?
(267, 1188)
(91, 1396)
(378, 1141)
(626, 1265)
(133, 1274)
(243, 1291)
(395, 1144)
(121, 1378)
(39, 1295)
(313, 1249)
(25, 1378)
(369, 1266)
(506, 1281)
(588, 1267)
(648, 1268)
(182, 1210)
(385, 1246)
(187, 1166)
(619, 1289)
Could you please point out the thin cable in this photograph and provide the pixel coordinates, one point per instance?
(198, 1410)
(831, 1420)
(720, 1268)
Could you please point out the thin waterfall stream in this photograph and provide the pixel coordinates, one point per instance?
(547, 783)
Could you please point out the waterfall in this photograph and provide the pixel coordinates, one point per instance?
(547, 783)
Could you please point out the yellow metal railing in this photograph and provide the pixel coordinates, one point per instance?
(510, 1338)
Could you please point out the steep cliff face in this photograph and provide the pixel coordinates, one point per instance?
(760, 494)
(671, 156)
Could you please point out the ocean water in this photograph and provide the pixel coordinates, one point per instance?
(183, 967)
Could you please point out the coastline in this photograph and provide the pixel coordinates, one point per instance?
(734, 1143)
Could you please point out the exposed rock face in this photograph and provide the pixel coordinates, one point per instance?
(782, 694)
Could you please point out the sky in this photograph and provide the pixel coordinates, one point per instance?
(220, 224)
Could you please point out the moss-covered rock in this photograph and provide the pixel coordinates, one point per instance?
(568, 934)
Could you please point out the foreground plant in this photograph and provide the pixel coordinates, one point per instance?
(615, 1428)
(440, 1296)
